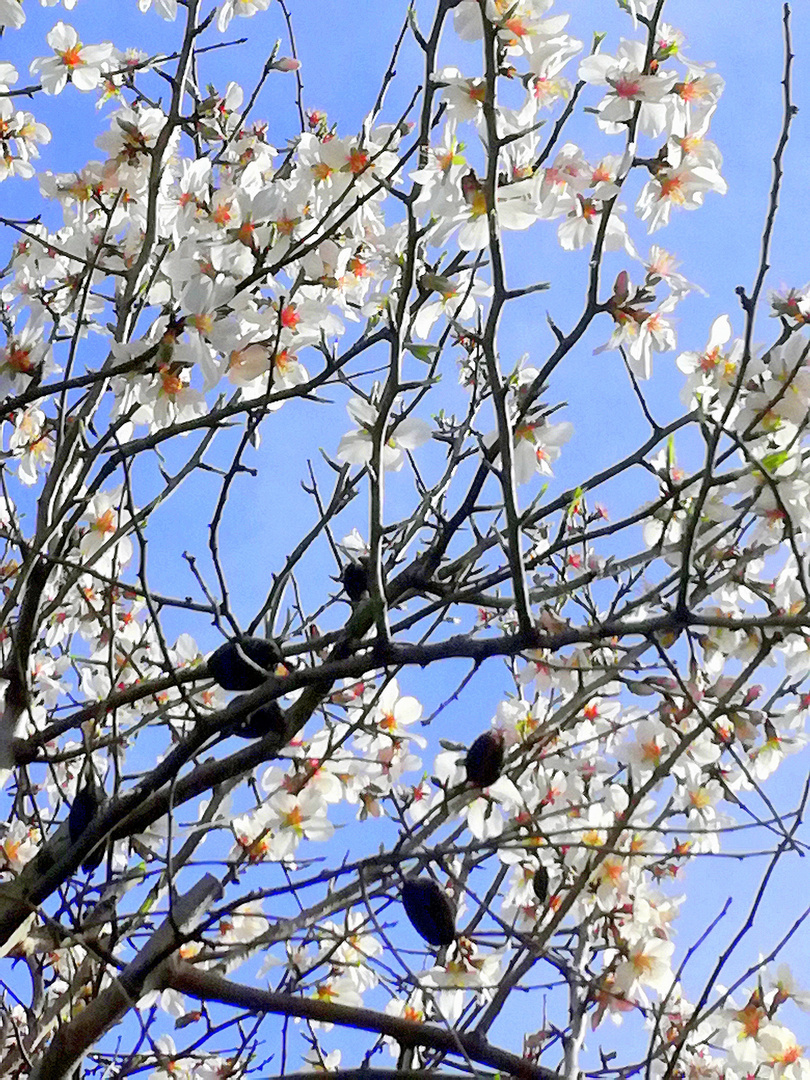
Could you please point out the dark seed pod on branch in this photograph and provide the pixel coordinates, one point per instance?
(95, 858)
(540, 884)
(355, 579)
(431, 911)
(84, 809)
(85, 806)
(485, 759)
(244, 663)
(262, 721)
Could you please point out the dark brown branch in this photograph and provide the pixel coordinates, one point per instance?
(208, 986)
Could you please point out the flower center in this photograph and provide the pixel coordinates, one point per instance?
(71, 57)
(627, 88)
(106, 523)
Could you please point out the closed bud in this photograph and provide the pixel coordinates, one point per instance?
(751, 695)
(621, 287)
(444, 285)
(470, 186)
(286, 63)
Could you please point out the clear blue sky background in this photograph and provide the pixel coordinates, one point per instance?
(344, 47)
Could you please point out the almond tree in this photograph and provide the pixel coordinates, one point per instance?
(185, 887)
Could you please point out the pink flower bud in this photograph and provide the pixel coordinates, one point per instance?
(286, 63)
(621, 286)
(752, 694)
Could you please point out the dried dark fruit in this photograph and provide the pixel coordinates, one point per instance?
(540, 883)
(355, 579)
(430, 909)
(85, 806)
(262, 721)
(84, 809)
(94, 859)
(244, 663)
(485, 759)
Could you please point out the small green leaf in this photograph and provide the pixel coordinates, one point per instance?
(670, 451)
(771, 462)
(422, 352)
